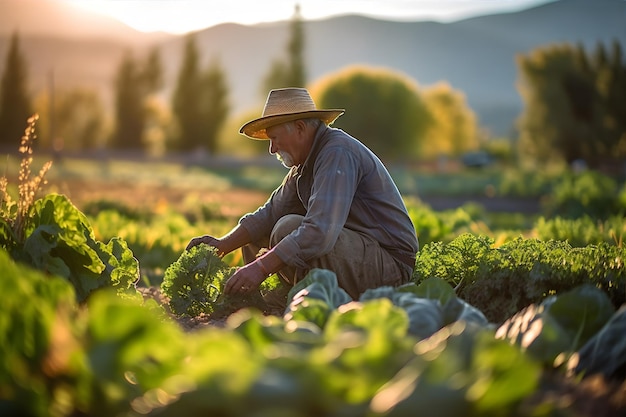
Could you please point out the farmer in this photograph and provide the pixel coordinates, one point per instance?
(337, 208)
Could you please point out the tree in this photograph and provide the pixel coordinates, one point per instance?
(611, 87)
(454, 127)
(157, 115)
(214, 107)
(135, 83)
(15, 104)
(153, 72)
(79, 120)
(385, 109)
(289, 72)
(186, 100)
(129, 112)
(575, 105)
(200, 101)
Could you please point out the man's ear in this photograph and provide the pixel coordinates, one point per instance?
(300, 126)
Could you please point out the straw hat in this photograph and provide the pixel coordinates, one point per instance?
(284, 105)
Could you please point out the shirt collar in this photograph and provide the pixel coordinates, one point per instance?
(316, 140)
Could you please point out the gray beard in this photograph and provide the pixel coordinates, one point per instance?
(285, 159)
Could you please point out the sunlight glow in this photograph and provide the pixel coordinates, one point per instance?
(181, 16)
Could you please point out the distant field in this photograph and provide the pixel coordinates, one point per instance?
(238, 186)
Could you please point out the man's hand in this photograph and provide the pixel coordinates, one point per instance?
(209, 240)
(246, 279)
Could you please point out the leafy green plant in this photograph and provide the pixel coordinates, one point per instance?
(37, 343)
(52, 235)
(457, 262)
(582, 231)
(119, 357)
(195, 282)
(130, 351)
(501, 281)
(60, 241)
(460, 371)
(315, 297)
(453, 308)
(589, 193)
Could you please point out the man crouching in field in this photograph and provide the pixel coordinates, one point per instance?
(337, 208)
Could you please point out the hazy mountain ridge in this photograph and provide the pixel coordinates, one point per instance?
(474, 55)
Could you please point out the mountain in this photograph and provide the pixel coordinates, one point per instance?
(476, 55)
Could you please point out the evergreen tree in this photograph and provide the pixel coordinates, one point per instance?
(134, 85)
(295, 52)
(611, 88)
(574, 104)
(215, 104)
(153, 72)
(15, 104)
(186, 99)
(200, 101)
(129, 114)
(289, 72)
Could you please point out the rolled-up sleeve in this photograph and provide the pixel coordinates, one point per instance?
(284, 200)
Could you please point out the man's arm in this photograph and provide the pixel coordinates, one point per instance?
(248, 277)
(235, 239)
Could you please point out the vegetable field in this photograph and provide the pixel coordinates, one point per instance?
(105, 314)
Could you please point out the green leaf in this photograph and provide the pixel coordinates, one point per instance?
(460, 371)
(501, 375)
(7, 237)
(36, 317)
(435, 289)
(38, 247)
(120, 264)
(328, 290)
(582, 312)
(130, 350)
(366, 344)
(60, 241)
(425, 315)
(315, 297)
(560, 324)
(605, 352)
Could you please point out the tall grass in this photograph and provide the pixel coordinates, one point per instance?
(15, 212)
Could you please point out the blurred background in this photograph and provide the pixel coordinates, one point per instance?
(536, 79)
(463, 98)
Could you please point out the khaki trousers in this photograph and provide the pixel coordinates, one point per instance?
(358, 260)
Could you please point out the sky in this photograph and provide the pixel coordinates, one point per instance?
(182, 16)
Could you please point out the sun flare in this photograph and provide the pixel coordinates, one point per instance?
(182, 16)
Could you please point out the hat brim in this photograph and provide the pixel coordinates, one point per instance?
(255, 129)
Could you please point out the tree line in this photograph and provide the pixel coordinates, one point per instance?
(574, 106)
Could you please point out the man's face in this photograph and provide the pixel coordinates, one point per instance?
(283, 143)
